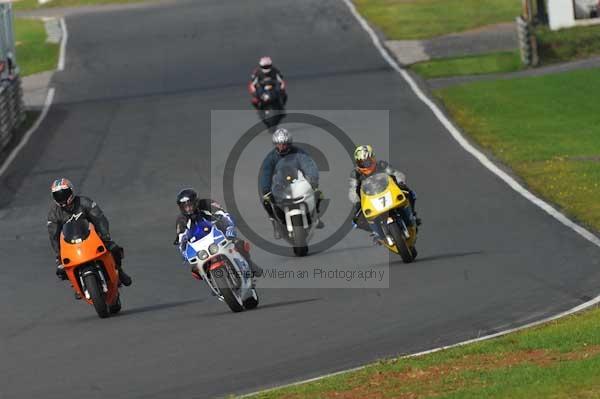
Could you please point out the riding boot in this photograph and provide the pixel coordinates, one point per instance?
(276, 232)
(118, 255)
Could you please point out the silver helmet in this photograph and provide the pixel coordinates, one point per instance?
(282, 136)
(282, 140)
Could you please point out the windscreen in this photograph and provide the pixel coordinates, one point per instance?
(375, 184)
(76, 230)
(286, 171)
(198, 230)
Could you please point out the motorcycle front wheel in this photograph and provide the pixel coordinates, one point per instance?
(403, 249)
(97, 295)
(228, 282)
(300, 244)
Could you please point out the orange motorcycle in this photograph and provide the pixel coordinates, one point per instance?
(90, 266)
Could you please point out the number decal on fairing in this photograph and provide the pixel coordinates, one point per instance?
(383, 202)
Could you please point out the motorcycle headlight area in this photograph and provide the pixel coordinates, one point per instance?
(213, 249)
(203, 255)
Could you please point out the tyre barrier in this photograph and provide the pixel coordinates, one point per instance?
(12, 109)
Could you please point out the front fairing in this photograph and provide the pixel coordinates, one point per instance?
(198, 238)
(379, 195)
(289, 185)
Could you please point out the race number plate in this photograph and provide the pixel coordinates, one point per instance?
(383, 202)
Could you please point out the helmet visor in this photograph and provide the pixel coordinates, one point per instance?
(365, 163)
(186, 207)
(63, 197)
(282, 148)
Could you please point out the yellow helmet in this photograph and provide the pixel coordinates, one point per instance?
(364, 158)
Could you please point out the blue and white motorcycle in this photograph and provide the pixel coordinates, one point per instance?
(219, 264)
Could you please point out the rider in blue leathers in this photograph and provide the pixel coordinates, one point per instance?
(192, 209)
(283, 142)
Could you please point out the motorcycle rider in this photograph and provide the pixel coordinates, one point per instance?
(283, 142)
(65, 205)
(263, 73)
(192, 209)
(366, 165)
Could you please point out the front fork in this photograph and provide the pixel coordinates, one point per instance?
(404, 219)
(92, 270)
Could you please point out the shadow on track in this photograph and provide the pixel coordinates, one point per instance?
(288, 303)
(161, 306)
(431, 258)
(268, 305)
(450, 255)
(334, 250)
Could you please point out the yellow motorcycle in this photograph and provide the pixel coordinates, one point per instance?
(387, 210)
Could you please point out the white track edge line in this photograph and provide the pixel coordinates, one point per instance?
(464, 143)
(494, 169)
(47, 103)
(576, 309)
(63, 45)
(32, 129)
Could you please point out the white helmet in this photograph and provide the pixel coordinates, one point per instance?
(282, 139)
(265, 64)
(282, 136)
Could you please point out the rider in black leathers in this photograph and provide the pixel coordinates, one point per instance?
(64, 206)
(266, 72)
(193, 208)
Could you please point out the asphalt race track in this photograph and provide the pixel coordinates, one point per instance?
(131, 124)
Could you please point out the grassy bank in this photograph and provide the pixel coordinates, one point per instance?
(547, 129)
(34, 54)
(422, 19)
(568, 44)
(469, 65)
(560, 360)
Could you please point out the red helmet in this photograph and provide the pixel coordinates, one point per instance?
(62, 192)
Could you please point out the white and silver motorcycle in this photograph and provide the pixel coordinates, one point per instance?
(294, 203)
(220, 265)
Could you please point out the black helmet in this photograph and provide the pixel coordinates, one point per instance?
(62, 192)
(187, 199)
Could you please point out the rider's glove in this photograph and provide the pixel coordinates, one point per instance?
(230, 232)
(60, 271)
(268, 197)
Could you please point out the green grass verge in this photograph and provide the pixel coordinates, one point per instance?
(567, 44)
(545, 128)
(34, 4)
(559, 360)
(422, 19)
(34, 54)
(469, 65)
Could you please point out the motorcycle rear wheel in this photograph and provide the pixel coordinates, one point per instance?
(272, 120)
(116, 307)
(252, 302)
